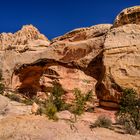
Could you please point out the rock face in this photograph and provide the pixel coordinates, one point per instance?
(101, 58)
(121, 58)
(128, 16)
(28, 35)
(122, 61)
(74, 64)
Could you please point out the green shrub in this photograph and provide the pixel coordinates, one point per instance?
(54, 102)
(41, 111)
(48, 109)
(86, 81)
(130, 128)
(129, 111)
(2, 87)
(14, 97)
(102, 121)
(51, 111)
(27, 101)
(80, 101)
(57, 93)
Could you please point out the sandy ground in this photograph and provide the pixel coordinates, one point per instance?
(17, 123)
(32, 127)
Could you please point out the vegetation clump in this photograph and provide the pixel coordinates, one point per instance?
(102, 121)
(80, 101)
(129, 111)
(14, 97)
(49, 109)
(56, 97)
(54, 103)
(2, 87)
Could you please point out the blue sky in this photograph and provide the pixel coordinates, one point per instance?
(56, 17)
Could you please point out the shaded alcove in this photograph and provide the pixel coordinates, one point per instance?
(29, 75)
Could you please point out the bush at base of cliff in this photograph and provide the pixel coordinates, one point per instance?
(54, 103)
(102, 121)
(2, 87)
(56, 96)
(129, 112)
(51, 111)
(130, 128)
(80, 101)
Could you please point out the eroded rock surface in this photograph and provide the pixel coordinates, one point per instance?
(74, 64)
(101, 58)
(128, 16)
(12, 108)
(28, 35)
(122, 62)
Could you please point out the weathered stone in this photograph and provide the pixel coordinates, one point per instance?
(3, 102)
(27, 36)
(11, 108)
(99, 58)
(128, 16)
(72, 64)
(122, 63)
(34, 108)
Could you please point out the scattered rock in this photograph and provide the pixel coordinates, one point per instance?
(11, 108)
(65, 115)
(34, 108)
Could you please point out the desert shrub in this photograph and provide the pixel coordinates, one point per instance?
(27, 101)
(86, 81)
(14, 97)
(2, 87)
(130, 128)
(41, 110)
(48, 109)
(57, 100)
(80, 101)
(54, 102)
(51, 111)
(102, 121)
(129, 111)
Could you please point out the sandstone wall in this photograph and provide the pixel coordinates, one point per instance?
(106, 55)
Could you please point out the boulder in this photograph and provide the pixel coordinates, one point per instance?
(34, 108)
(11, 108)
